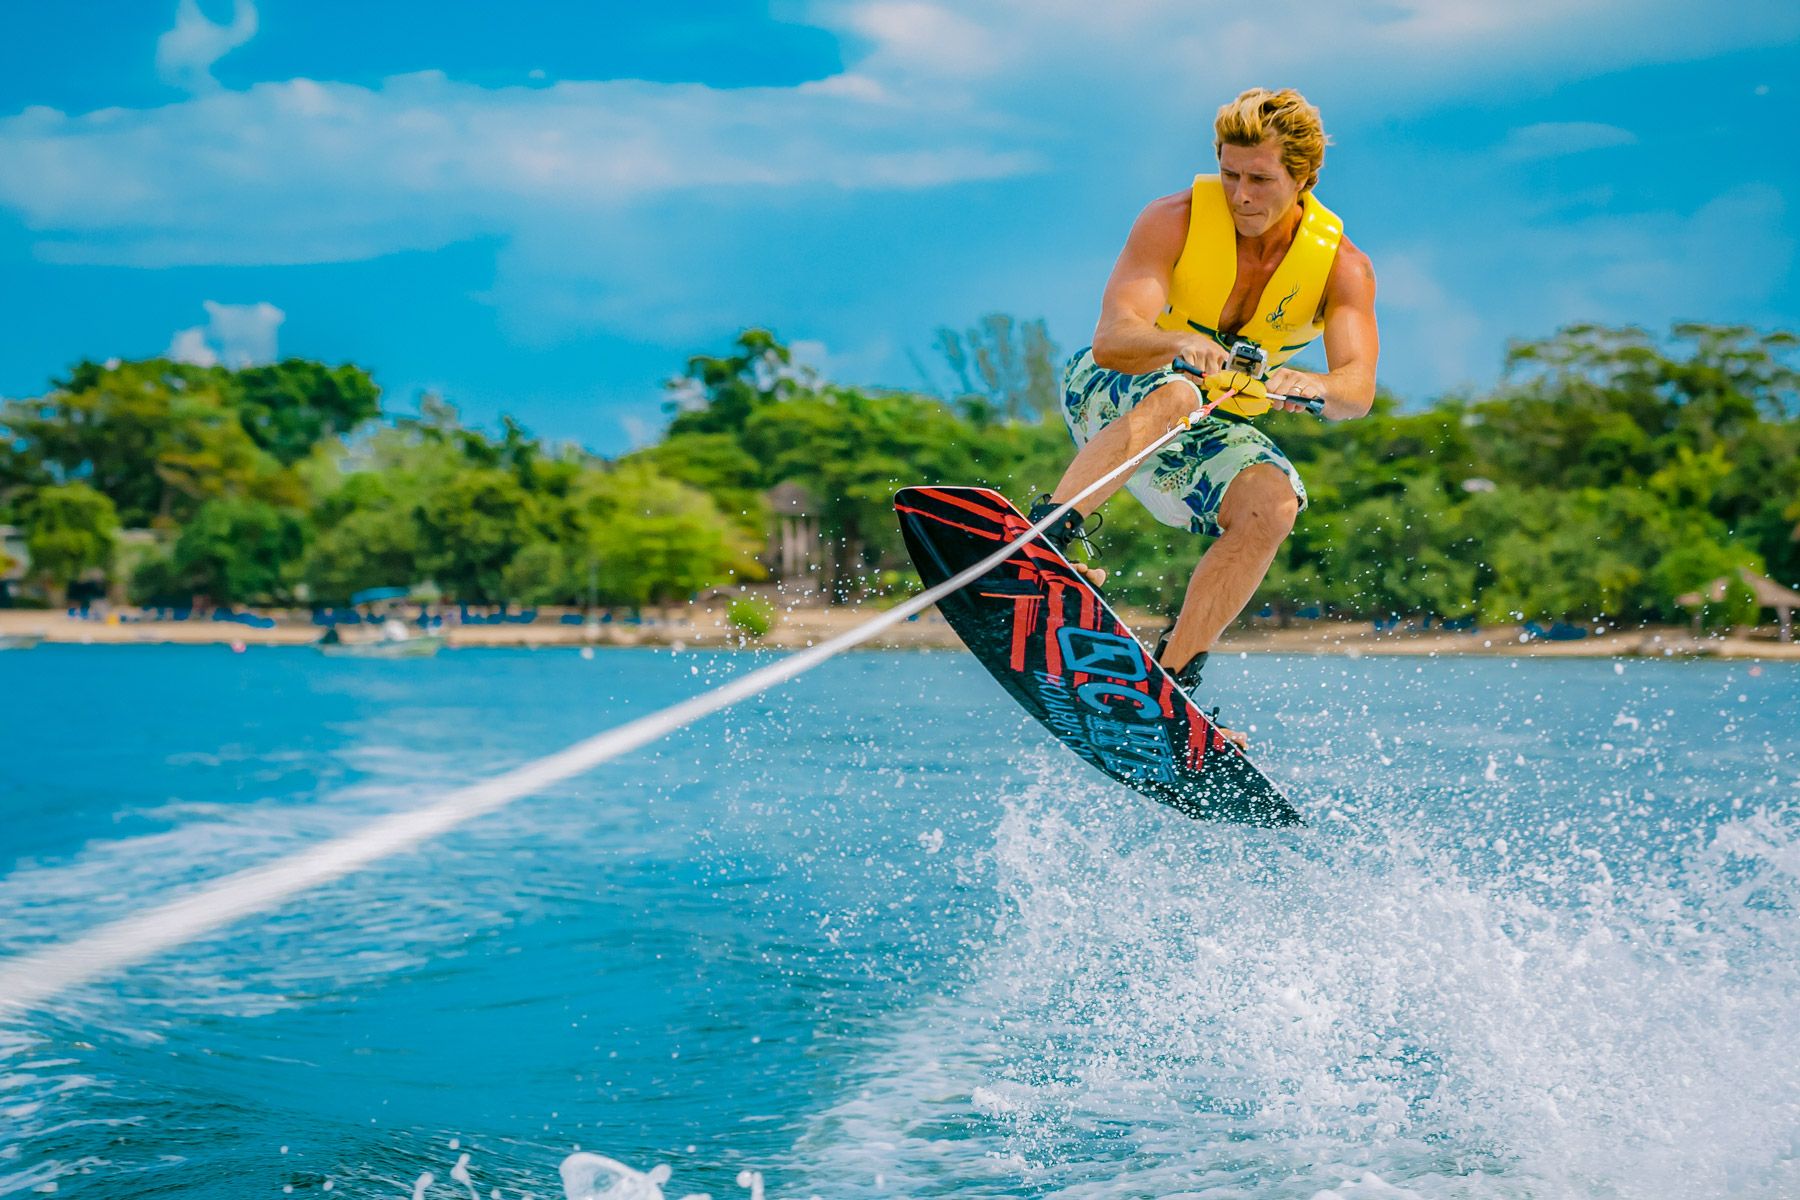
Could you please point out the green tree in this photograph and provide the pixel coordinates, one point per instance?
(469, 530)
(1594, 406)
(158, 438)
(1690, 478)
(853, 450)
(1623, 467)
(1546, 554)
(654, 540)
(239, 551)
(431, 498)
(289, 407)
(369, 547)
(1694, 567)
(70, 529)
(155, 581)
(718, 465)
(539, 574)
(107, 425)
(1398, 554)
(720, 394)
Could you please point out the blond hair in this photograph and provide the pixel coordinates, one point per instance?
(1259, 114)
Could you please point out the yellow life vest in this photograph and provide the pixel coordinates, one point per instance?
(1286, 317)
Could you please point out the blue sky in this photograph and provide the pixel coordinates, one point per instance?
(545, 211)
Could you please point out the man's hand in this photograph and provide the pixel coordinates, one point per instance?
(1202, 353)
(1301, 385)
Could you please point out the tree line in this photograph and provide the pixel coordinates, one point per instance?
(1610, 473)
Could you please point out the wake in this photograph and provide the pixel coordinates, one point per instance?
(1310, 1016)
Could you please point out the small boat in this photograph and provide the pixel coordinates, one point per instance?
(423, 646)
(19, 641)
(396, 641)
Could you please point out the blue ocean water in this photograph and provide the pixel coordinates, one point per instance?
(873, 935)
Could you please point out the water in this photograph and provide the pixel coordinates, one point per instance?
(872, 936)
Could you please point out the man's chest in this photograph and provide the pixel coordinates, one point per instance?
(1252, 279)
(1249, 288)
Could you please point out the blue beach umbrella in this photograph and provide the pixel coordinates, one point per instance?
(371, 595)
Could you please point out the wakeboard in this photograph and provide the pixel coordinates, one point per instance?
(1057, 648)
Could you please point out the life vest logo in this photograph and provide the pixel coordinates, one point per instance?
(1093, 652)
(1279, 312)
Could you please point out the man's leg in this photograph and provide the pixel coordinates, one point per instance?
(1256, 515)
(1129, 432)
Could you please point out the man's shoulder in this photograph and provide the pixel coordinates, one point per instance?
(1350, 255)
(1172, 208)
(1352, 271)
(1161, 229)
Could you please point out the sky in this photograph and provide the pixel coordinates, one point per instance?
(543, 210)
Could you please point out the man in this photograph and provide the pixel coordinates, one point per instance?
(1248, 255)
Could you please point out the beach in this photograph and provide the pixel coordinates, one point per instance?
(703, 624)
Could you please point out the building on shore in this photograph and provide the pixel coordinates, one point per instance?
(794, 554)
(1768, 593)
(15, 562)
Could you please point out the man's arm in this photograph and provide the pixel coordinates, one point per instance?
(1352, 343)
(1126, 338)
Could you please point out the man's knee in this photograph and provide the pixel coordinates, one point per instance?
(1260, 502)
(1166, 406)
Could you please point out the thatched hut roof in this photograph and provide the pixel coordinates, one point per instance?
(1768, 593)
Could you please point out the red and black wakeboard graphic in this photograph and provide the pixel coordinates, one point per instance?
(1052, 642)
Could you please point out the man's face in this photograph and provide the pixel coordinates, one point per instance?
(1258, 188)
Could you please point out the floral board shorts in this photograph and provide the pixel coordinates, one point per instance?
(1184, 483)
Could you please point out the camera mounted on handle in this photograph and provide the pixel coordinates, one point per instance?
(1248, 357)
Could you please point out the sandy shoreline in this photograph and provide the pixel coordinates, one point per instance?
(703, 625)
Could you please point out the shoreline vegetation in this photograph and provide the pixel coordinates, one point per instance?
(1614, 479)
(706, 625)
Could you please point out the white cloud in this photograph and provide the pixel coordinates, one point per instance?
(245, 333)
(185, 54)
(190, 346)
(640, 431)
(238, 335)
(303, 171)
(1555, 139)
(865, 358)
(671, 212)
(1074, 56)
(917, 34)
